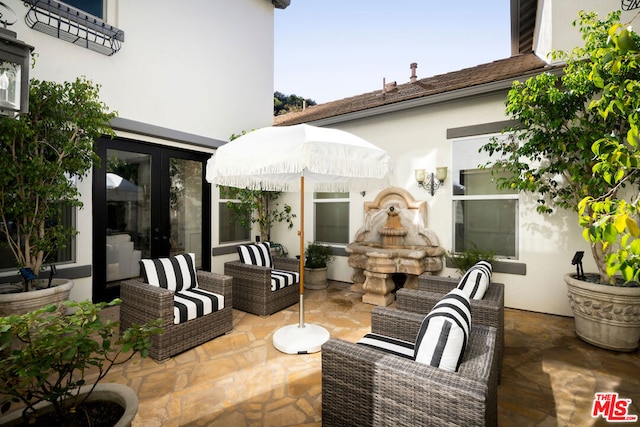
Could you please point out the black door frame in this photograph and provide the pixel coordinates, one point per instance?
(160, 220)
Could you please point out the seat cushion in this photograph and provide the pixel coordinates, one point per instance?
(390, 345)
(195, 302)
(444, 332)
(256, 254)
(476, 280)
(280, 279)
(174, 273)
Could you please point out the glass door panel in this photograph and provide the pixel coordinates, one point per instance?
(185, 207)
(128, 212)
(149, 202)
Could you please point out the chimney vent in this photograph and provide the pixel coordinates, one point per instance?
(414, 77)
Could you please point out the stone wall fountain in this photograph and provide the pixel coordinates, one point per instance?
(393, 247)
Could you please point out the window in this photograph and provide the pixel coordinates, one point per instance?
(93, 7)
(484, 216)
(331, 213)
(65, 254)
(230, 229)
(81, 22)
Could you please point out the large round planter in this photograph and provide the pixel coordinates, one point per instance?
(24, 302)
(118, 393)
(315, 278)
(605, 316)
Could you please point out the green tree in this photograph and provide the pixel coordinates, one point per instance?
(259, 206)
(549, 152)
(283, 104)
(609, 219)
(41, 154)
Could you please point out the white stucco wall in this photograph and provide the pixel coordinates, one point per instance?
(417, 139)
(555, 30)
(203, 67)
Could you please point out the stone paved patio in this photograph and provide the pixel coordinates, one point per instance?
(240, 379)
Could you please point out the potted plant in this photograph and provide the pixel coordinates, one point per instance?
(51, 365)
(462, 261)
(317, 258)
(571, 133)
(42, 153)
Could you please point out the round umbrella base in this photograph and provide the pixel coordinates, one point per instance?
(293, 339)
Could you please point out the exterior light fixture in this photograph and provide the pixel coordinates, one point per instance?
(14, 68)
(431, 182)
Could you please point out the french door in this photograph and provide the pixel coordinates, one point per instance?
(149, 201)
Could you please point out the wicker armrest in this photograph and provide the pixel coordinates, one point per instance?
(247, 272)
(288, 264)
(442, 285)
(151, 302)
(439, 284)
(485, 310)
(399, 324)
(363, 386)
(216, 283)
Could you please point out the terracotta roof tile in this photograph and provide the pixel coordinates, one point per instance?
(504, 69)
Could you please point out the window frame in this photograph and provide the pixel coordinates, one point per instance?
(70, 217)
(223, 201)
(482, 157)
(319, 200)
(81, 7)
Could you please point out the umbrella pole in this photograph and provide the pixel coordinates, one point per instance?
(300, 338)
(301, 234)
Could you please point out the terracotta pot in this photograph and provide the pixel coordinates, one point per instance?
(315, 278)
(24, 302)
(605, 316)
(118, 393)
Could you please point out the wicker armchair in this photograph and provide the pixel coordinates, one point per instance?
(252, 286)
(363, 386)
(488, 311)
(142, 302)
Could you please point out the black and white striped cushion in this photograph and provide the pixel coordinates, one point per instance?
(174, 273)
(280, 279)
(476, 280)
(391, 345)
(444, 332)
(256, 254)
(193, 303)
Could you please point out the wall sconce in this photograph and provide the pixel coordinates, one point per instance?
(431, 182)
(14, 68)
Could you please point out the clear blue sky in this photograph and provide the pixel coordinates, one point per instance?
(332, 49)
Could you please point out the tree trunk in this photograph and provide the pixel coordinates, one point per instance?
(601, 262)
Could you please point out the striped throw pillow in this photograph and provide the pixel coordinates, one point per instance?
(444, 332)
(174, 273)
(256, 254)
(476, 280)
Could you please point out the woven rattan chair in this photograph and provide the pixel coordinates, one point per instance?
(488, 311)
(142, 303)
(364, 386)
(252, 286)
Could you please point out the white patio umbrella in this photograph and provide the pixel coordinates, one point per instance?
(300, 158)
